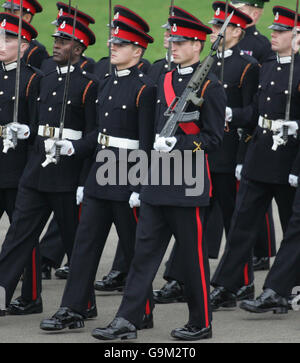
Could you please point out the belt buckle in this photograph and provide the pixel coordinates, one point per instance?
(104, 140)
(48, 131)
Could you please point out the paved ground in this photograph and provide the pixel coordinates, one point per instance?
(228, 326)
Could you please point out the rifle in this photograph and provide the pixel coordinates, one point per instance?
(66, 92)
(109, 35)
(289, 96)
(170, 43)
(176, 112)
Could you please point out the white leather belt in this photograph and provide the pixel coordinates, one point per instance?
(53, 132)
(269, 124)
(118, 142)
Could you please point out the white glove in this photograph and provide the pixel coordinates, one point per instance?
(134, 200)
(292, 127)
(293, 180)
(277, 141)
(23, 131)
(228, 114)
(165, 144)
(66, 147)
(50, 152)
(79, 195)
(238, 172)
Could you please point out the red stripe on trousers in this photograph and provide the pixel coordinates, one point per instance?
(147, 309)
(246, 278)
(201, 262)
(269, 235)
(34, 292)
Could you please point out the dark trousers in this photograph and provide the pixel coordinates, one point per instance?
(219, 215)
(155, 227)
(8, 201)
(96, 219)
(32, 211)
(252, 203)
(285, 271)
(51, 246)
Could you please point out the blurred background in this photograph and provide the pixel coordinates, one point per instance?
(155, 12)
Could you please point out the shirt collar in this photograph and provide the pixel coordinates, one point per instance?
(64, 70)
(122, 73)
(184, 71)
(284, 60)
(9, 67)
(228, 53)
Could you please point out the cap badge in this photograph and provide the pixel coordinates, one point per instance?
(3, 24)
(61, 12)
(277, 16)
(117, 30)
(117, 16)
(218, 12)
(63, 25)
(174, 29)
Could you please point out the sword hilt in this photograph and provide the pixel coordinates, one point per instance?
(285, 133)
(57, 153)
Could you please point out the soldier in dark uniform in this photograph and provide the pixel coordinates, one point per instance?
(53, 187)
(258, 46)
(268, 168)
(126, 122)
(254, 43)
(116, 278)
(284, 274)
(12, 162)
(36, 53)
(166, 209)
(241, 73)
(51, 247)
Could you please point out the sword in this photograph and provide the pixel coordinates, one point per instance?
(223, 46)
(109, 35)
(66, 92)
(289, 96)
(170, 43)
(18, 74)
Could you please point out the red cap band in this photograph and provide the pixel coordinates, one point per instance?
(221, 15)
(280, 19)
(188, 32)
(26, 5)
(15, 29)
(66, 28)
(133, 37)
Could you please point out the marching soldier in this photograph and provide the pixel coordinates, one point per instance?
(267, 173)
(53, 187)
(254, 43)
(51, 246)
(165, 209)
(259, 47)
(116, 278)
(284, 274)
(126, 116)
(12, 162)
(36, 52)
